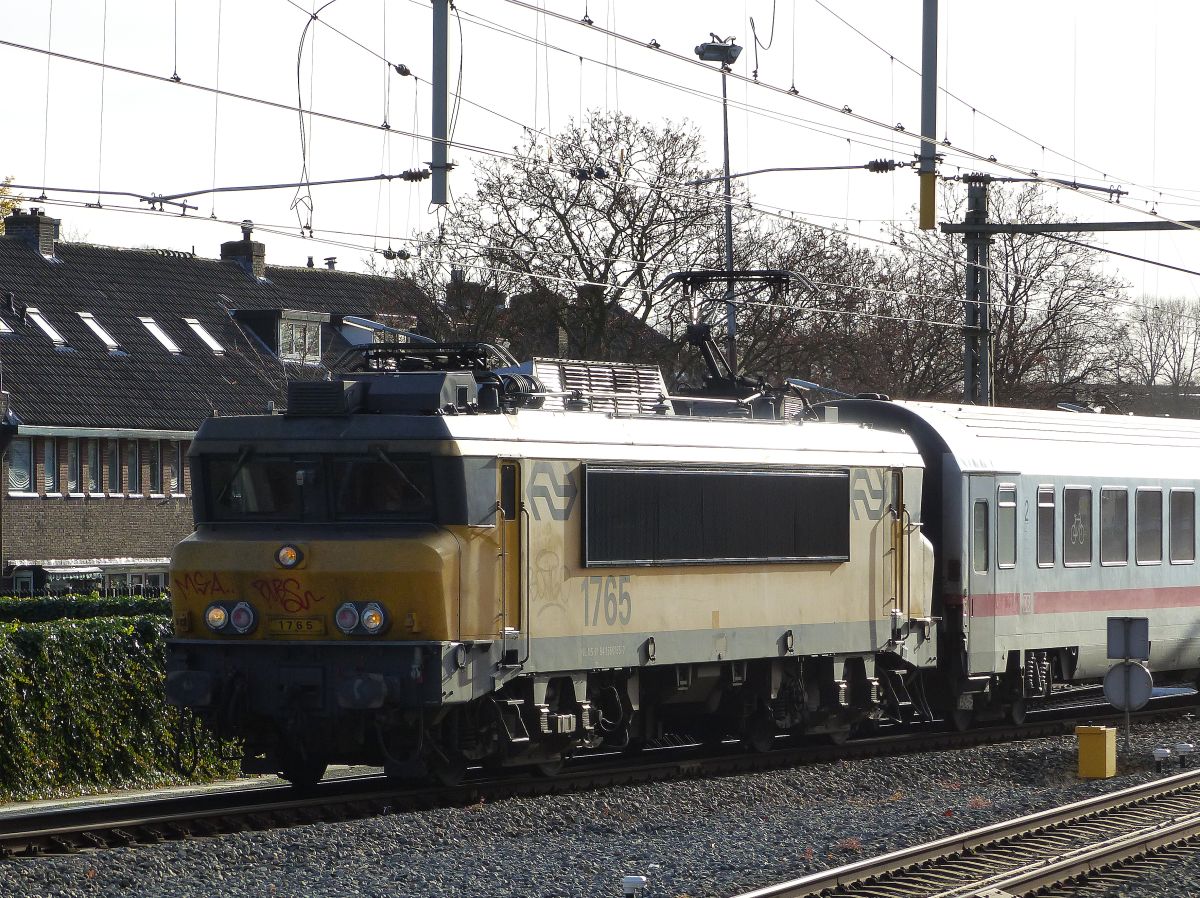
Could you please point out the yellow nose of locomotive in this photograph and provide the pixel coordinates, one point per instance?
(323, 588)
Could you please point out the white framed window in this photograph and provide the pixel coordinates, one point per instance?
(175, 454)
(20, 465)
(1045, 526)
(98, 329)
(114, 467)
(979, 536)
(1114, 526)
(161, 335)
(4, 328)
(1077, 526)
(1148, 521)
(300, 341)
(93, 466)
(202, 332)
(74, 467)
(1183, 526)
(134, 476)
(1006, 526)
(36, 316)
(50, 465)
(154, 461)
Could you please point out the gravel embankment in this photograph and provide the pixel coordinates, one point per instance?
(691, 838)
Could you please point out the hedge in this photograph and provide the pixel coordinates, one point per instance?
(34, 609)
(82, 710)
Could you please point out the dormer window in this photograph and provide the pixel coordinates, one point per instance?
(46, 327)
(202, 332)
(98, 329)
(161, 335)
(300, 341)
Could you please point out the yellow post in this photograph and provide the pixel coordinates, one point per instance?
(1097, 752)
(928, 208)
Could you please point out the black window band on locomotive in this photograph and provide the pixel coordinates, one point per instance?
(685, 516)
(373, 486)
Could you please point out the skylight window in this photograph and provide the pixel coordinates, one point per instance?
(47, 328)
(98, 329)
(202, 332)
(161, 335)
(4, 328)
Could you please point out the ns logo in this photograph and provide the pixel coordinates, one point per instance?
(552, 491)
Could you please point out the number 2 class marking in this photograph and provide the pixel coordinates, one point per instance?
(612, 594)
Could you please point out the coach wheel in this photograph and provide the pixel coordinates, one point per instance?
(760, 733)
(550, 769)
(838, 737)
(449, 771)
(301, 770)
(1017, 711)
(961, 719)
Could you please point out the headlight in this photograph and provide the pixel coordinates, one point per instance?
(372, 618)
(242, 617)
(216, 617)
(346, 617)
(289, 556)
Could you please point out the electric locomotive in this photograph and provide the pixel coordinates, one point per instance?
(438, 561)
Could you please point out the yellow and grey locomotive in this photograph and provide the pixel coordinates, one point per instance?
(436, 562)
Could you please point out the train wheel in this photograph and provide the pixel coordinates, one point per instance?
(961, 719)
(1017, 711)
(450, 771)
(301, 770)
(550, 769)
(760, 733)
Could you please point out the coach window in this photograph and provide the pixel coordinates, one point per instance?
(1148, 526)
(1006, 527)
(979, 536)
(1077, 527)
(1114, 526)
(1183, 526)
(1045, 526)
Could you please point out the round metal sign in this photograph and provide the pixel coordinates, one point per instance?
(1128, 685)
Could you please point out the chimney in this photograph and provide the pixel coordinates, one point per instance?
(33, 228)
(331, 262)
(310, 261)
(249, 254)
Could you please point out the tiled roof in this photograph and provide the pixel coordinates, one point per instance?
(149, 387)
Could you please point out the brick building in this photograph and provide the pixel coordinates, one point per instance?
(110, 359)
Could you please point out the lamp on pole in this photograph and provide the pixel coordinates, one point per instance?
(726, 53)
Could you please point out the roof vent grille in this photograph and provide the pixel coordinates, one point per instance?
(314, 398)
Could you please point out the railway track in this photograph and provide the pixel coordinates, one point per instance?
(153, 820)
(1025, 856)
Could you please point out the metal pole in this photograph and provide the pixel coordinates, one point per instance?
(441, 32)
(977, 363)
(928, 167)
(730, 309)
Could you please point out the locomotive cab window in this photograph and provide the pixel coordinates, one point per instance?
(1006, 527)
(1045, 526)
(1183, 526)
(1114, 526)
(382, 487)
(1148, 514)
(979, 536)
(1077, 527)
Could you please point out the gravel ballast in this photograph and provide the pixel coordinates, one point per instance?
(693, 838)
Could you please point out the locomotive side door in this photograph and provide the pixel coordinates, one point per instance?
(980, 563)
(510, 544)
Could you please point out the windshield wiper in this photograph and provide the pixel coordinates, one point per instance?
(243, 457)
(383, 457)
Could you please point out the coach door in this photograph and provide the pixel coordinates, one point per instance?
(980, 563)
(510, 544)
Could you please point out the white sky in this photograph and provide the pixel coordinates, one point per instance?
(1106, 83)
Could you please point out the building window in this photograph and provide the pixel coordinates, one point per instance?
(202, 332)
(979, 536)
(1077, 527)
(74, 467)
(101, 334)
(1045, 526)
(1148, 525)
(300, 341)
(20, 466)
(161, 335)
(93, 466)
(1114, 526)
(114, 467)
(1006, 527)
(134, 477)
(175, 454)
(46, 327)
(1183, 526)
(154, 459)
(50, 464)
